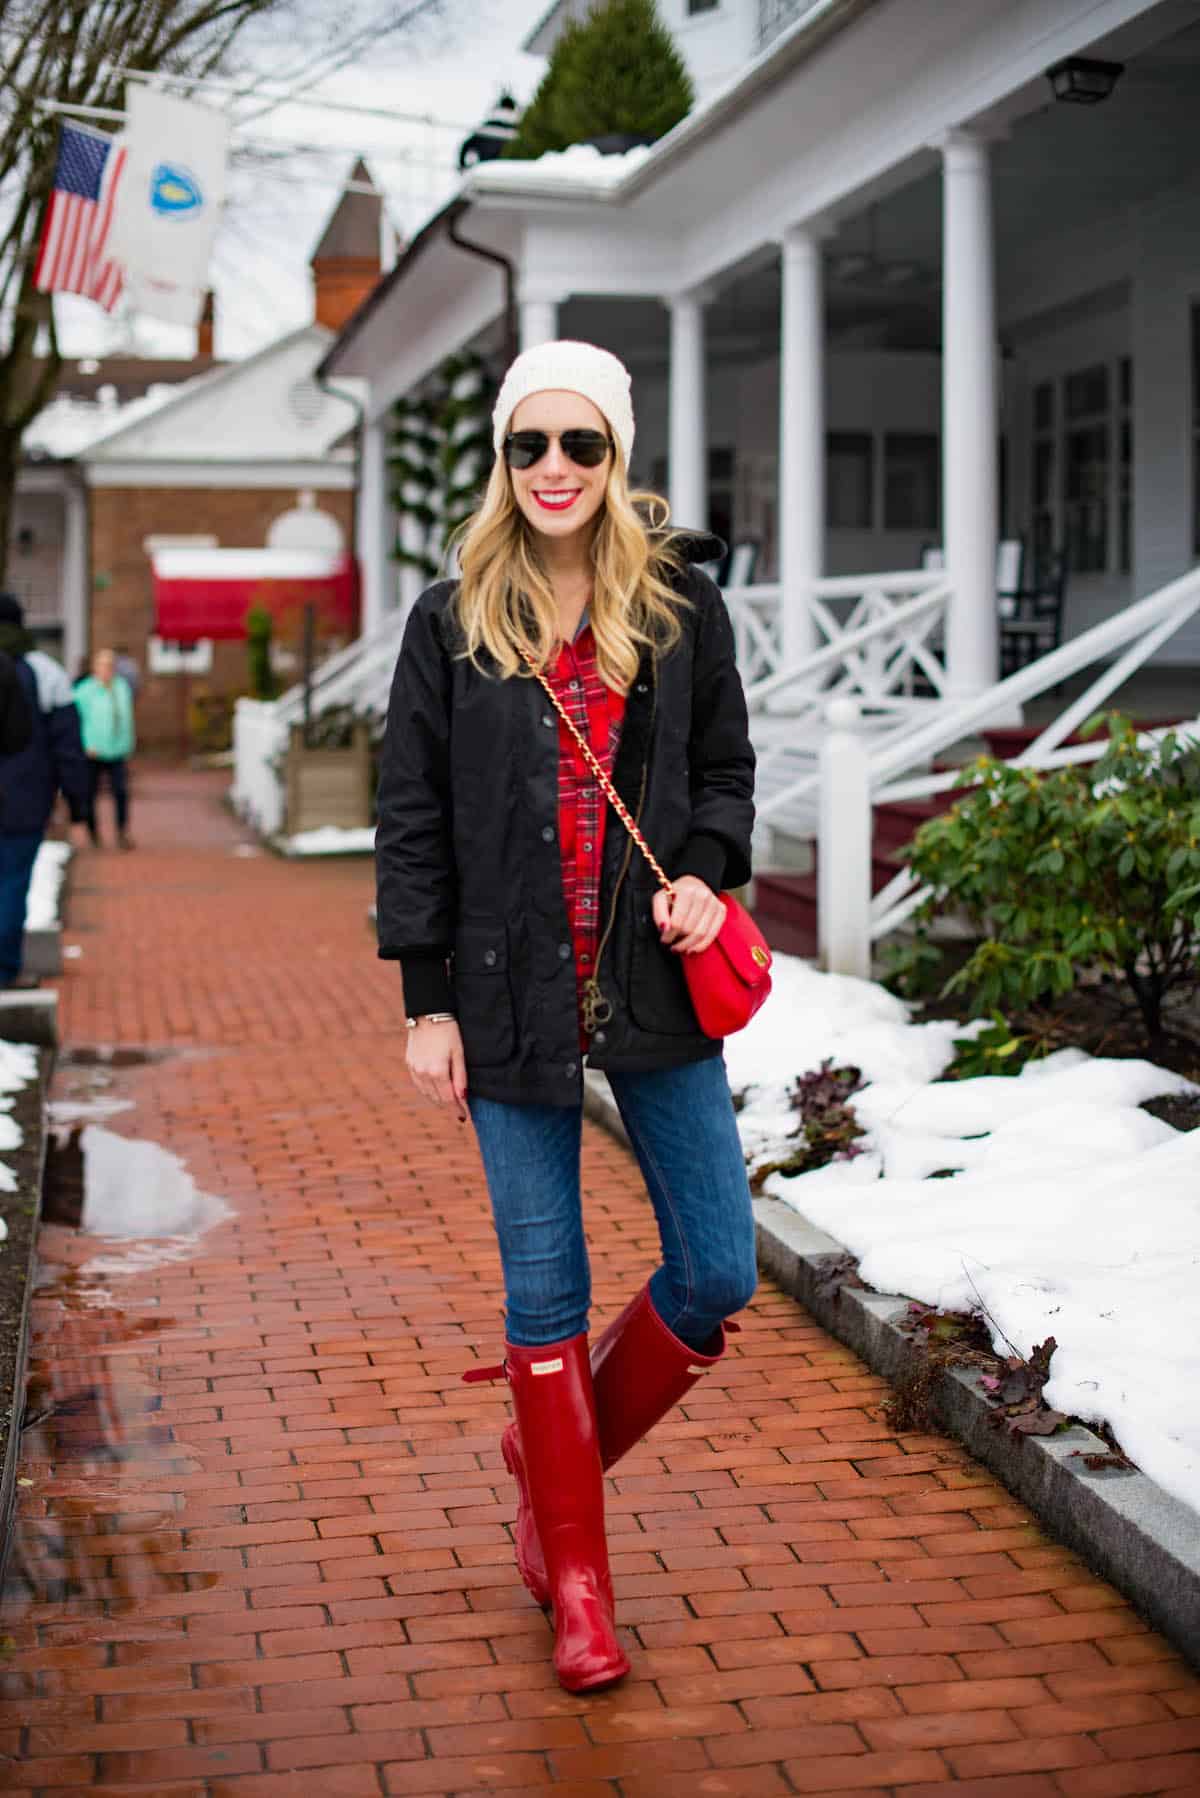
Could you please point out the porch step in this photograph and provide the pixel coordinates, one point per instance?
(785, 904)
(897, 822)
(1006, 741)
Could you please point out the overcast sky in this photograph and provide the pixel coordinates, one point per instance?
(453, 69)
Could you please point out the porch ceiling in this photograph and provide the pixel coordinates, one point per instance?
(1062, 169)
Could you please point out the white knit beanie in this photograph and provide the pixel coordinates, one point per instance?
(570, 368)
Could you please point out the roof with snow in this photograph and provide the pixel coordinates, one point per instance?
(267, 407)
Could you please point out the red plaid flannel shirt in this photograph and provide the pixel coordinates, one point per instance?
(582, 808)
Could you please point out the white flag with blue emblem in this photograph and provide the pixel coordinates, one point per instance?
(169, 205)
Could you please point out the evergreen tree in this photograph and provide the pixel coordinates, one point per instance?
(616, 70)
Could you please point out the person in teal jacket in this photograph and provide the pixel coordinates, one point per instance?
(105, 703)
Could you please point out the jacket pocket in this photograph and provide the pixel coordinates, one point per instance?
(483, 994)
(659, 1001)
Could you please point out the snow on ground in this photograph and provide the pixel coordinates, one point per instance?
(18, 1067)
(1069, 1212)
(49, 871)
(331, 839)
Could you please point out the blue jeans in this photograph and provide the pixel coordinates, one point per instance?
(683, 1130)
(17, 856)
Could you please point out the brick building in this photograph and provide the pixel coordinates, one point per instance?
(136, 456)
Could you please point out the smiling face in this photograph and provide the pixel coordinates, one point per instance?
(558, 497)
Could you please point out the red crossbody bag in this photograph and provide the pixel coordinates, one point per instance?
(730, 980)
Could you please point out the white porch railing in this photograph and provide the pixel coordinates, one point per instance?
(878, 651)
(855, 775)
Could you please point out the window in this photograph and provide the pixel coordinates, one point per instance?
(720, 493)
(1045, 474)
(1086, 468)
(696, 6)
(1196, 429)
(849, 481)
(1125, 469)
(911, 481)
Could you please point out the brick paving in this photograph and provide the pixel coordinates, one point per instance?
(264, 1539)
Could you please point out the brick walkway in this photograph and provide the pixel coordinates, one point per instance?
(264, 1541)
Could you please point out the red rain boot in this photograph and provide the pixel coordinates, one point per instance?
(556, 1420)
(640, 1371)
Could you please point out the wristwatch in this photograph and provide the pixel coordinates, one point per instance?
(432, 1017)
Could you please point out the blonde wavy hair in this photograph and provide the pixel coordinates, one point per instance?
(506, 605)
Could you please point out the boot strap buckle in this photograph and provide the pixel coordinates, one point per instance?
(474, 1374)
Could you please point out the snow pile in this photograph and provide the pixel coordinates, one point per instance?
(49, 872)
(1067, 1210)
(331, 839)
(578, 166)
(18, 1068)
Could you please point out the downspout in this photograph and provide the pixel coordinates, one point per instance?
(504, 263)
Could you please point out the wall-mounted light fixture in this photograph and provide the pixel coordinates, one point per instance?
(1083, 80)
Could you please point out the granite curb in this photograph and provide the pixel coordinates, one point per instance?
(26, 1203)
(1125, 1527)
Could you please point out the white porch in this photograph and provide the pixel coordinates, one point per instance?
(882, 294)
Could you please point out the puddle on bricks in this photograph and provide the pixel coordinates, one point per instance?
(98, 1533)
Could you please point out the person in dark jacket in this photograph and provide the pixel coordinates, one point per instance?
(532, 936)
(52, 761)
(16, 723)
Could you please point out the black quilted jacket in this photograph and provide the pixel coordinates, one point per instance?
(470, 894)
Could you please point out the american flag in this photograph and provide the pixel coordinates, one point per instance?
(72, 257)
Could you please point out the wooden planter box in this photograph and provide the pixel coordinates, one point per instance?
(328, 786)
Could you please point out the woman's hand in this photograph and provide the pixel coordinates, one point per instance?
(437, 1064)
(691, 919)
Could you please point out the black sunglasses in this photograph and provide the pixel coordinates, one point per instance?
(587, 448)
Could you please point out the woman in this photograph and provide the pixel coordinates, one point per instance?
(105, 706)
(530, 934)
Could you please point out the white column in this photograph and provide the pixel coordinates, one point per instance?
(75, 575)
(539, 322)
(374, 527)
(970, 415)
(688, 427)
(801, 436)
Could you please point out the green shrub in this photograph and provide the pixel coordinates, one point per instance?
(259, 626)
(1080, 871)
(616, 70)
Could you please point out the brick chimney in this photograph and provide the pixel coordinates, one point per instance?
(346, 263)
(207, 325)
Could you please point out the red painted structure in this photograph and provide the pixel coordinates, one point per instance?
(208, 592)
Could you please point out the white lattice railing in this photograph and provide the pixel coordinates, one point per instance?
(878, 633)
(857, 774)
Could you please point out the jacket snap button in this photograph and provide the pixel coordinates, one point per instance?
(564, 951)
(569, 1070)
(547, 719)
(490, 958)
(600, 1037)
(642, 687)
(548, 833)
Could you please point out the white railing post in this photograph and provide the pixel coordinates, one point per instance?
(844, 845)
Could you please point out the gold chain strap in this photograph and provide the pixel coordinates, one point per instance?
(606, 786)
